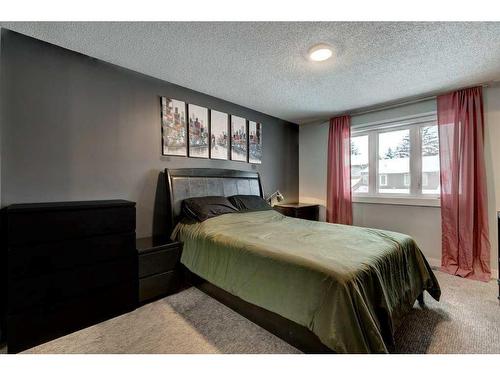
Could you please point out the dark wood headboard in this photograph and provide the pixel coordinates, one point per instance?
(199, 182)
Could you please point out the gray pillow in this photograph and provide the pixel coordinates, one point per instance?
(203, 208)
(249, 203)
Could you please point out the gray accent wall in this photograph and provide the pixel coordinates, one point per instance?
(77, 128)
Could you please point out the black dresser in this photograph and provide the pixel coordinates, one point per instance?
(68, 265)
(159, 268)
(299, 210)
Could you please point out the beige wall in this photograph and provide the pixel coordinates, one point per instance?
(492, 160)
(422, 223)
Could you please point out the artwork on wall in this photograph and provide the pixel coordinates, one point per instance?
(219, 135)
(173, 125)
(198, 131)
(238, 138)
(254, 142)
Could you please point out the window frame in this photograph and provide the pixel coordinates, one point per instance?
(414, 124)
(406, 180)
(380, 179)
(425, 181)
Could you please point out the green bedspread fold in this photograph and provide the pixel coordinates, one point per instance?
(349, 285)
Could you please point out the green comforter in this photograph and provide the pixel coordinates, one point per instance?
(349, 285)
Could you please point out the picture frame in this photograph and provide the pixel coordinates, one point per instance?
(195, 131)
(254, 142)
(239, 139)
(219, 135)
(199, 130)
(173, 127)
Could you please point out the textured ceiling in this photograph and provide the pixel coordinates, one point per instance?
(263, 66)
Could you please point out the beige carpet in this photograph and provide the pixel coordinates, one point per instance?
(467, 320)
(187, 322)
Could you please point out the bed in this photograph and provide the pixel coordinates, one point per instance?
(321, 287)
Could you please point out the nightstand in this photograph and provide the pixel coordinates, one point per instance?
(299, 210)
(159, 268)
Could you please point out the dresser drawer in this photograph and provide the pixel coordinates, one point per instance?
(41, 259)
(49, 289)
(43, 323)
(59, 225)
(159, 261)
(65, 266)
(159, 285)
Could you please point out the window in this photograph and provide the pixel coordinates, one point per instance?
(396, 159)
(430, 160)
(359, 164)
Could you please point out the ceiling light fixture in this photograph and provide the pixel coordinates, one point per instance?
(320, 52)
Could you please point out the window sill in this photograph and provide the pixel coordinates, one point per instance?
(400, 201)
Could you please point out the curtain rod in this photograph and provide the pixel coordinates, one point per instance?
(400, 103)
(382, 107)
(411, 100)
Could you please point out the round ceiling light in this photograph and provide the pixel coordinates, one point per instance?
(320, 52)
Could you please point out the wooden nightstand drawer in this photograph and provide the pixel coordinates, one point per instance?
(299, 210)
(159, 261)
(159, 285)
(159, 267)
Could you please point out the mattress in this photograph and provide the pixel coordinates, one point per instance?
(350, 286)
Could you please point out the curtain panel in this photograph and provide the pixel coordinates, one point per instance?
(464, 207)
(338, 195)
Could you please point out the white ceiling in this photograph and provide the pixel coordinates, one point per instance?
(263, 66)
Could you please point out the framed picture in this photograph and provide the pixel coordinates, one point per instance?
(238, 138)
(219, 135)
(254, 142)
(173, 127)
(198, 131)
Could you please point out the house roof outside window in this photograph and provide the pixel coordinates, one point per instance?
(402, 165)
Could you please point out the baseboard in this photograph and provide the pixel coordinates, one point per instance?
(436, 265)
(434, 262)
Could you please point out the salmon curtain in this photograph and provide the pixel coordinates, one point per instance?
(338, 195)
(464, 207)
